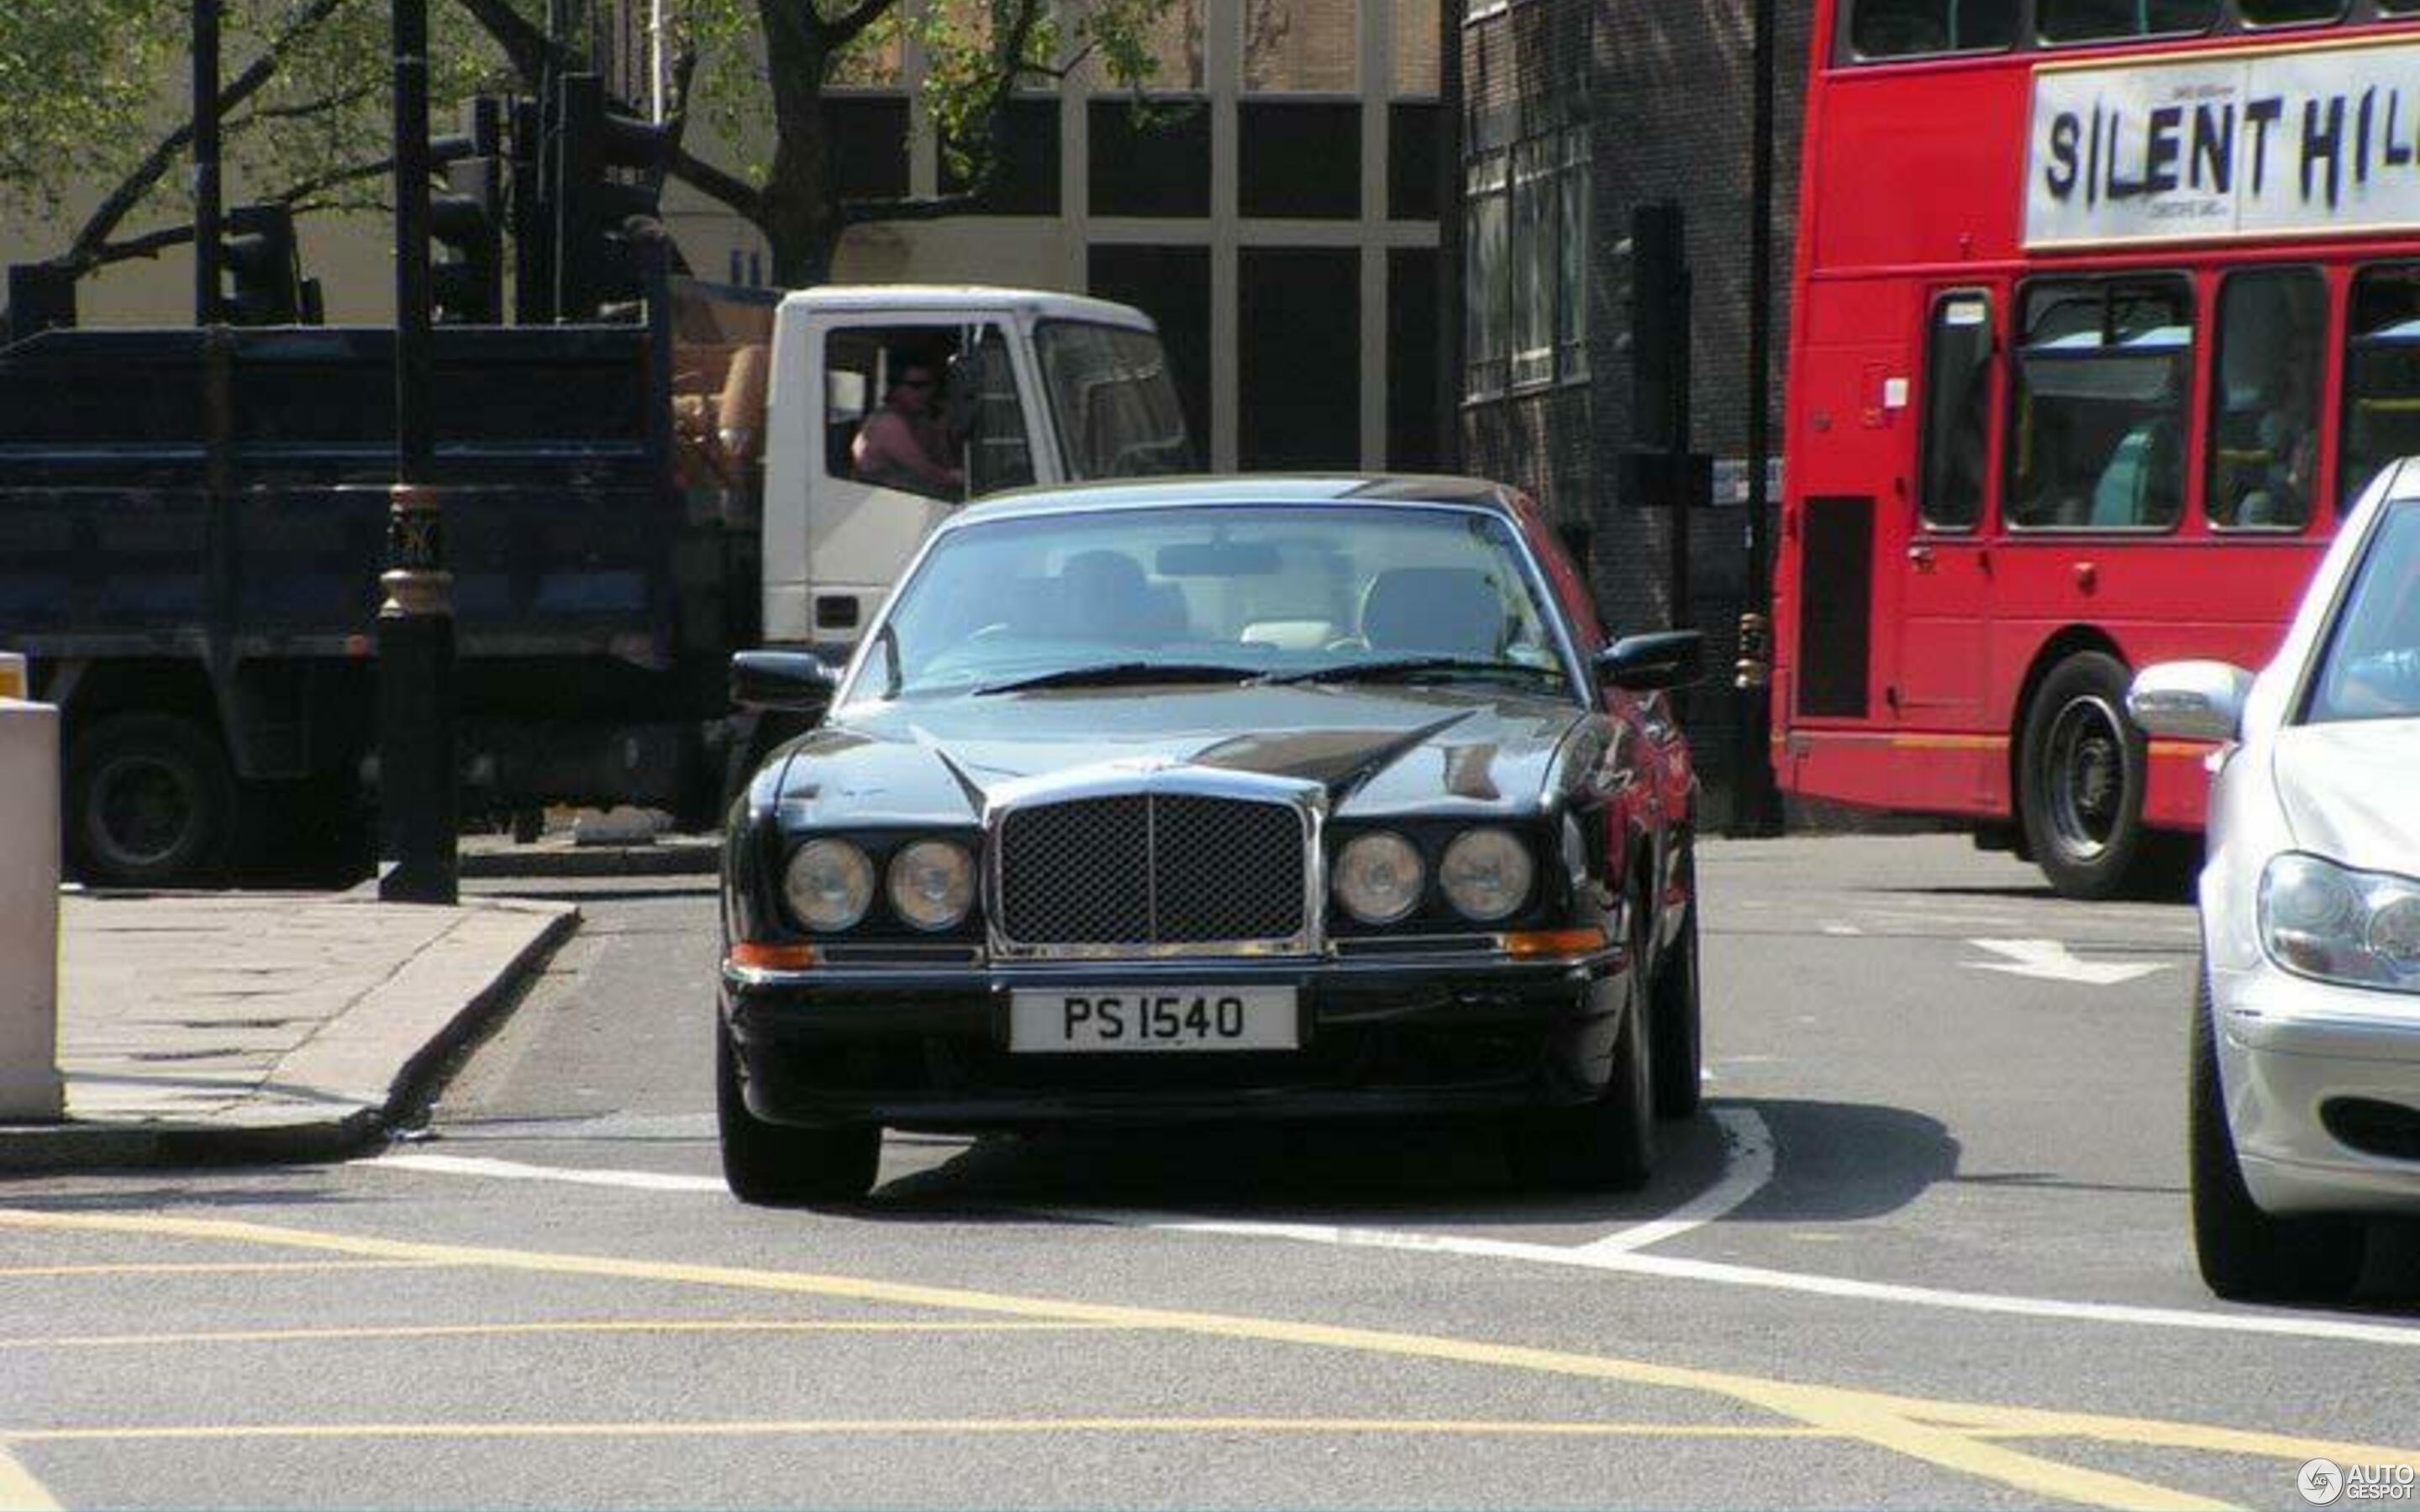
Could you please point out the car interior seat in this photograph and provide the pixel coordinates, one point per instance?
(1445, 611)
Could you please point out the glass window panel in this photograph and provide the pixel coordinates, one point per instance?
(1957, 411)
(1299, 158)
(1572, 270)
(1298, 358)
(1486, 273)
(2264, 421)
(2372, 667)
(1910, 28)
(1414, 130)
(1533, 260)
(1415, 47)
(2099, 406)
(1149, 167)
(1412, 335)
(2284, 12)
(1172, 40)
(2101, 21)
(1025, 179)
(1299, 46)
(1172, 284)
(2382, 399)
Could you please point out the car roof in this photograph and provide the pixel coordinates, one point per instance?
(964, 298)
(1276, 490)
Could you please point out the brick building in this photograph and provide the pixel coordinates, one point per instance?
(1574, 112)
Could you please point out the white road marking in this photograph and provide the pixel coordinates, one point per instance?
(1843, 930)
(1616, 1253)
(2051, 961)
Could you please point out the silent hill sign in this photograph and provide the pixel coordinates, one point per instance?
(2272, 144)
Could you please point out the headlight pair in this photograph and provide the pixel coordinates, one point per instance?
(2360, 929)
(1486, 875)
(829, 884)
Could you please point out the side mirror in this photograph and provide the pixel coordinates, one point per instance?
(1652, 662)
(782, 682)
(2190, 700)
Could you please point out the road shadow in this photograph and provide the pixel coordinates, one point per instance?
(1833, 1163)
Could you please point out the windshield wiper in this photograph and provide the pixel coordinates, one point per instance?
(1125, 674)
(1414, 667)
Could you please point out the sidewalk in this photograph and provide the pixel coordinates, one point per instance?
(263, 1026)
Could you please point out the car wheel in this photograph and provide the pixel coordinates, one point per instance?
(1677, 1025)
(775, 1164)
(1609, 1142)
(150, 801)
(2244, 1253)
(2081, 769)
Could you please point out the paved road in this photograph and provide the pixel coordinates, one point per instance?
(1927, 1249)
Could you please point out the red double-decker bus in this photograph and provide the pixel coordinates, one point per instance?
(2105, 311)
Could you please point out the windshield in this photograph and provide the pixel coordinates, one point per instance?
(1322, 592)
(2372, 667)
(1112, 400)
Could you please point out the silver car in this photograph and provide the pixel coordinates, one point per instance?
(2306, 1067)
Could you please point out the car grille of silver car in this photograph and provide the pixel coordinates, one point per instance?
(1152, 870)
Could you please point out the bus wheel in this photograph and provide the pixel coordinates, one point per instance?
(2080, 775)
(150, 801)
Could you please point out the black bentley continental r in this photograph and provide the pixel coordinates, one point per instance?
(1215, 798)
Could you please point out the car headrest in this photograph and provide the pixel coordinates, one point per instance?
(1453, 612)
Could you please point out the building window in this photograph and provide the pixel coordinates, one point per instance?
(1155, 166)
(1301, 159)
(1487, 273)
(1298, 358)
(868, 136)
(1025, 179)
(1534, 261)
(1301, 46)
(1414, 132)
(1572, 267)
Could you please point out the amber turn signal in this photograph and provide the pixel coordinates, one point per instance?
(754, 957)
(1533, 944)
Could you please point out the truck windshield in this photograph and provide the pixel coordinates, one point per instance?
(1112, 400)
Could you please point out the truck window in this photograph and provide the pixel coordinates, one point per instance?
(2381, 400)
(1112, 400)
(892, 415)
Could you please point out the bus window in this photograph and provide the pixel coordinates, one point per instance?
(2109, 21)
(2381, 400)
(1957, 411)
(1910, 28)
(2104, 375)
(2289, 12)
(2264, 421)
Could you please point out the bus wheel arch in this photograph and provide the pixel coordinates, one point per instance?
(2078, 768)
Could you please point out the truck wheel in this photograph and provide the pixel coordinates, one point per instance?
(2080, 773)
(150, 801)
(772, 1165)
(2243, 1253)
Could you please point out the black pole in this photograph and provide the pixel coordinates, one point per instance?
(1452, 174)
(205, 163)
(415, 622)
(1755, 807)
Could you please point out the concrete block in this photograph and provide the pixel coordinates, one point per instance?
(30, 1087)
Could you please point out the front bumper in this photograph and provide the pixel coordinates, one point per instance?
(2292, 1051)
(928, 1047)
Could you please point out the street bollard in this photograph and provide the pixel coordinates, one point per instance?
(30, 1088)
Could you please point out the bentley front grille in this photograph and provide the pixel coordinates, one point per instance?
(1152, 870)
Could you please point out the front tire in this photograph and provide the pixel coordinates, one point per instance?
(773, 1164)
(1608, 1143)
(2081, 770)
(151, 802)
(1678, 1026)
(2244, 1254)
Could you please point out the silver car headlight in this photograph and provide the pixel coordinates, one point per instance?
(1379, 877)
(2360, 929)
(830, 885)
(1486, 875)
(933, 884)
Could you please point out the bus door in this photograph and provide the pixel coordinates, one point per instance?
(1936, 673)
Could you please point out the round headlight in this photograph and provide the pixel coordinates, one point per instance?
(933, 884)
(830, 885)
(2394, 933)
(1378, 878)
(2304, 895)
(1486, 875)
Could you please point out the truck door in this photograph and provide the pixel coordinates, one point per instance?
(915, 417)
(1944, 569)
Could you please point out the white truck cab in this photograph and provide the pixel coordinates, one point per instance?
(1036, 388)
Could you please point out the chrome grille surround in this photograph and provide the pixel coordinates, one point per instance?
(1167, 861)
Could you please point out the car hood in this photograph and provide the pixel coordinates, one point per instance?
(1434, 751)
(2348, 792)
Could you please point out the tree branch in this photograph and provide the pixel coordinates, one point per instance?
(868, 211)
(293, 194)
(841, 31)
(728, 190)
(130, 192)
(534, 54)
(307, 109)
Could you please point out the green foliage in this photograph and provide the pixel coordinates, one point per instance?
(79, 81)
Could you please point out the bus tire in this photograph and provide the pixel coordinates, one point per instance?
(151, 802)
(2081, 770)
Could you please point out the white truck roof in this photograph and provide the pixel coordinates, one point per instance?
(954, 298)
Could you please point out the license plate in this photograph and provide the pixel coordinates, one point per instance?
(1155, 1018)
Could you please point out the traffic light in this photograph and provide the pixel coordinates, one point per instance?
(609, 172)
(261, 277)
(466, 232)
(532, 212)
